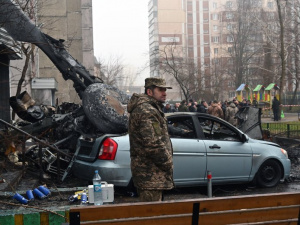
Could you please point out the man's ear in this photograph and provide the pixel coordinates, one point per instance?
(149, 92)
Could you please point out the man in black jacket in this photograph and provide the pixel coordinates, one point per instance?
(275, 108)
(202, 108)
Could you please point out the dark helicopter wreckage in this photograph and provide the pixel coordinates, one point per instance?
(102, 109)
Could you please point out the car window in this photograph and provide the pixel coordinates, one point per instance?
(214, 130)
(181, 127)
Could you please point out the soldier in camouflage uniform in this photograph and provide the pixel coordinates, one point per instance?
(150, 146)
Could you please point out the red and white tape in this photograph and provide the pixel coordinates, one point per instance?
(281, 106)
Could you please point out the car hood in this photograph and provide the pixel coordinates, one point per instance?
(263, 142)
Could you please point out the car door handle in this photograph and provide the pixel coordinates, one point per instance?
(214, 146)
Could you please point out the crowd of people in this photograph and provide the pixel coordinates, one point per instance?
(222, 109)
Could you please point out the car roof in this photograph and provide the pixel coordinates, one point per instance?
(190, 114)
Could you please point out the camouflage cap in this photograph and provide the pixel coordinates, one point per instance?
(158, 82)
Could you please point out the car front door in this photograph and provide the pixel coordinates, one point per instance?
(189, 153)
(228, 158)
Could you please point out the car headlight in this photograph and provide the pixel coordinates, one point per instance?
(284, 152)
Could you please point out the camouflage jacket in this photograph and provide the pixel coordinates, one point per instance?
(230, 114)
(150, 145)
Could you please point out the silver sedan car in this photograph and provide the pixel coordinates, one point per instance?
(202, 143)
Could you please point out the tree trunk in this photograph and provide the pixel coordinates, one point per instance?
(24, 71)
(282, 52)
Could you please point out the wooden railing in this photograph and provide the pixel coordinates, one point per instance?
(283, 208)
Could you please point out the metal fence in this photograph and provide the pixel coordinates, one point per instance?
(283, 130)
(287, 99)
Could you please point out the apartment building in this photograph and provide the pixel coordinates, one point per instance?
(70, 20)
(206, 32)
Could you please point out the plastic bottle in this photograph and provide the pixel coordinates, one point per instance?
(97, 189)
(84, 197)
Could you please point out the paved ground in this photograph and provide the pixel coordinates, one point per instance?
(288, 117)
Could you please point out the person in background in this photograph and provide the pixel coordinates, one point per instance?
(231, 110)
(235, 101)
(192, 107)
(176, 107)
(242, 105)
(275, 108)
(223, 107)
(215, 110)
(167, 108)
(254, 103)
(151, 150)
(183, 107)
(202, 107)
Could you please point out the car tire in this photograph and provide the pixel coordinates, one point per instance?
(130, 187)
(269, 174)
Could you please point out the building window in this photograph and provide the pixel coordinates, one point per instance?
(216, 61)
(229, 15)
(215, 16)
(170, 39)
(206, 54)
(232, 94)
(231, 84)
(229, 4)
(215, 5)
(205, 31)
(229, 49)
(215, 39)
(271, 16)
(215, 28)
(216, 50)
(229, 38)
(270, 5)
(229, 26)
(256, 3)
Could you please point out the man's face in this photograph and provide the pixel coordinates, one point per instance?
(158, 93)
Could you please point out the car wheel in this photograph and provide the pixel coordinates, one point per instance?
(269, 174)
(131, 187)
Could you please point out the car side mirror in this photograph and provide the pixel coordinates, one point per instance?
(244, 138)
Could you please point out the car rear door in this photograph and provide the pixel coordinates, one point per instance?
(228, 157)
(189, 153)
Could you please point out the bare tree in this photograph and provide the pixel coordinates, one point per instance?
(282, 52)
(28, 50)
(292, 33)
(246, 42)
(111, 71)
(173, 63)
